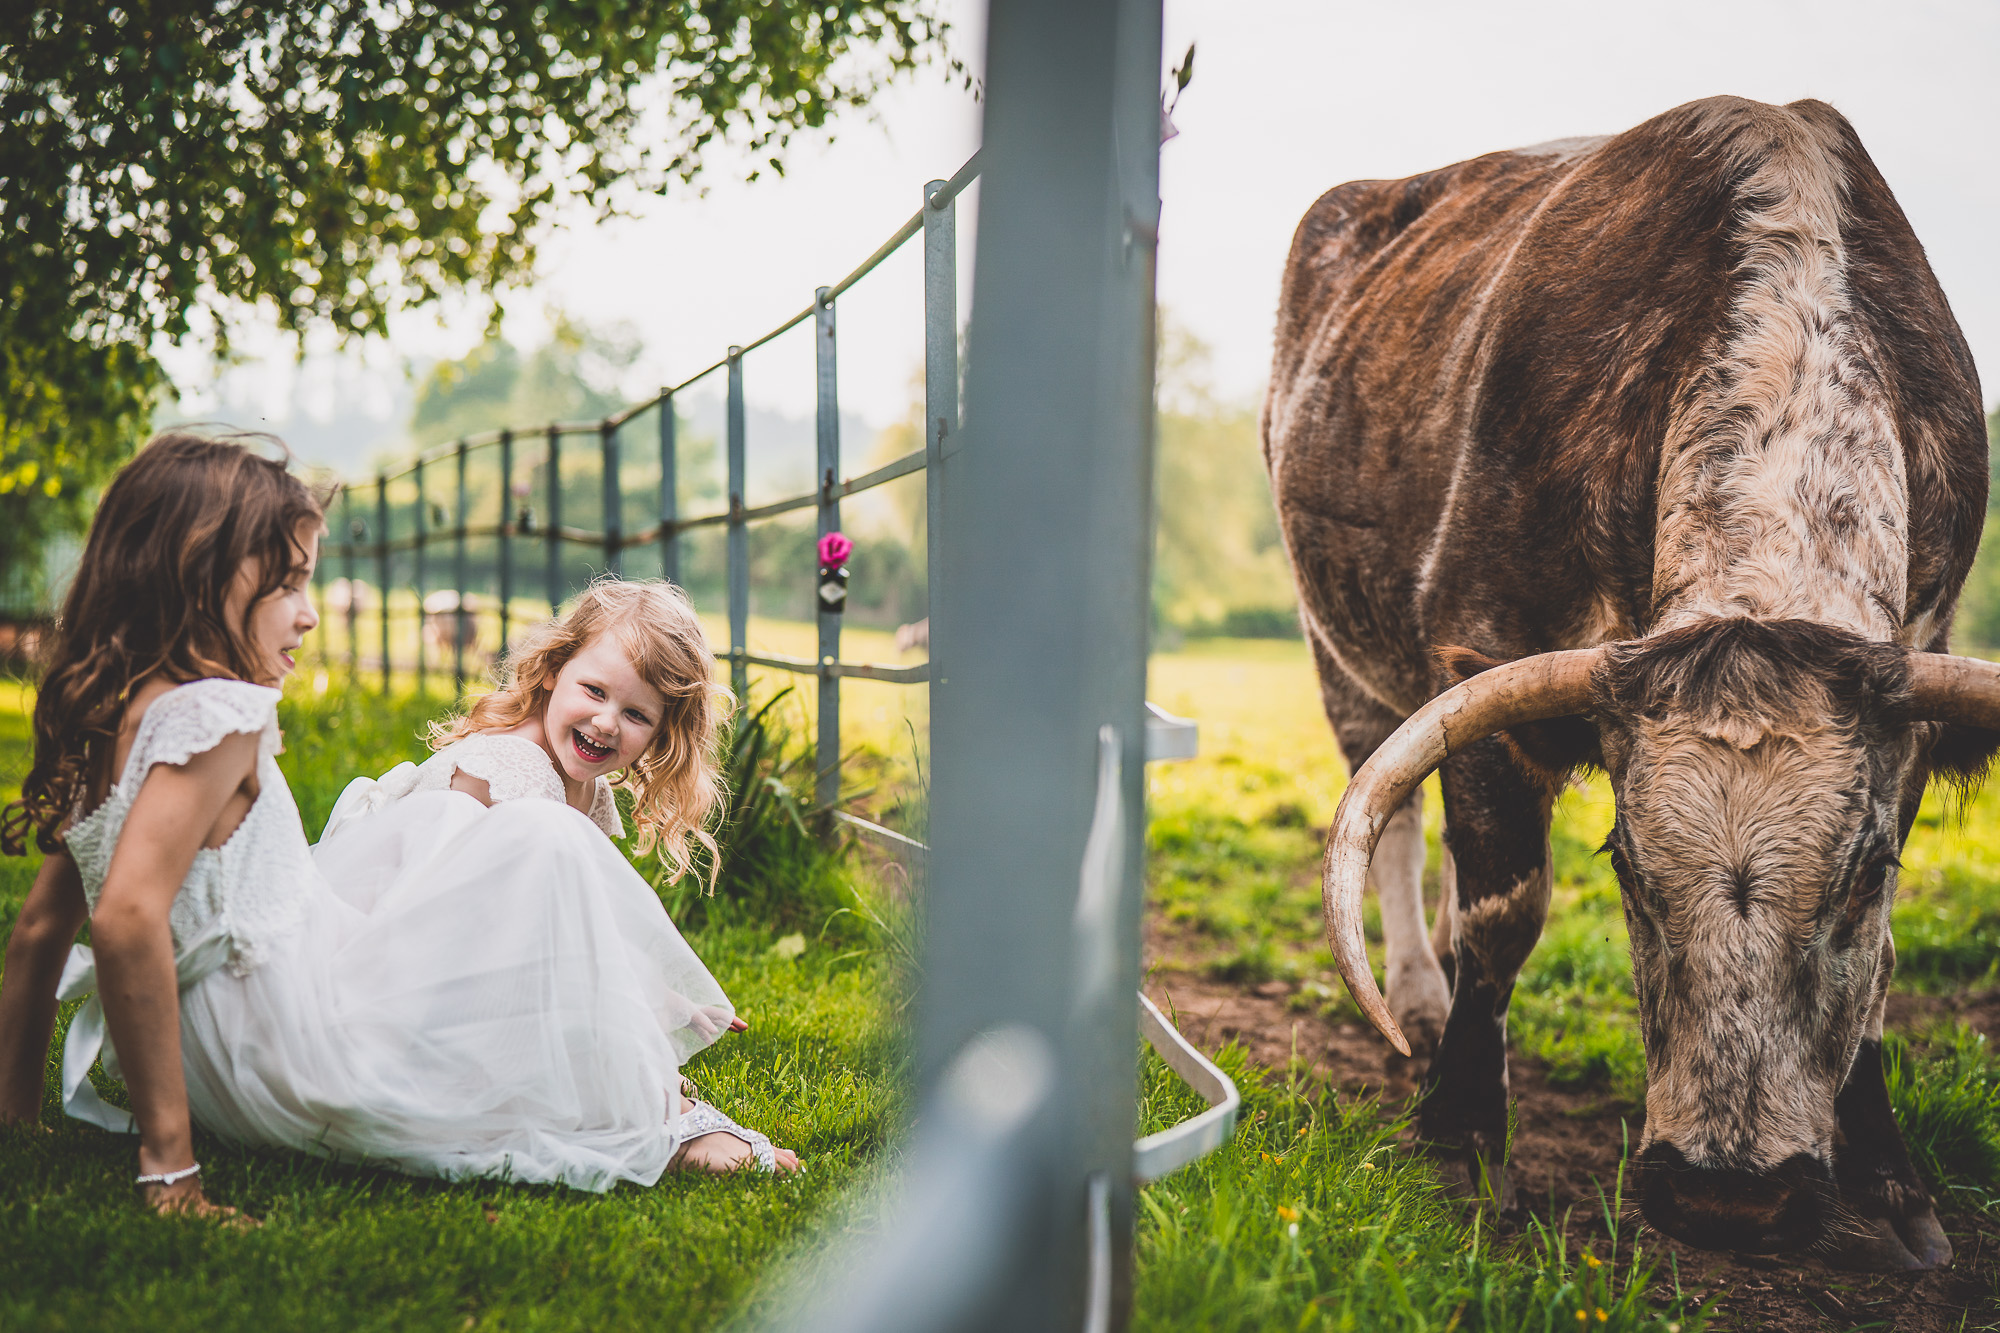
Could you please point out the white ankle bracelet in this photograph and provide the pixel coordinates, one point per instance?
(168, 1177)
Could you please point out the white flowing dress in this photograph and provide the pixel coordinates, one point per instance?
(439, 986)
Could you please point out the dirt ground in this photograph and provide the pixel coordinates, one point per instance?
(1566, 1144)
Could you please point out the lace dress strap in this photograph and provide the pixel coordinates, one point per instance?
(513, 767)
(604, 810)
(193, 719)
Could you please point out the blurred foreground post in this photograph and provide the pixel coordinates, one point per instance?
(1017, 1206)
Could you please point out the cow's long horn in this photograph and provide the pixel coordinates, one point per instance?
(1544, 686)
(1944, 688)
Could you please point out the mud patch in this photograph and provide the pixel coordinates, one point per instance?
(1566, 1154)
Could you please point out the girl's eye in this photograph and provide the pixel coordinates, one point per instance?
(638, 717)
(595, 693)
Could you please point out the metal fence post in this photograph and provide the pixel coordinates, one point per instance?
(739, 537)
(417, 565)
(826, 788)
(506, 533)
(670, 541)
(614, 502)
(354, 532)
(554, 528)
(382, 564)
(1038, 746)
(940, 395)
(458, 580)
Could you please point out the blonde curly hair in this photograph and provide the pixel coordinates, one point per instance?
(676, 784)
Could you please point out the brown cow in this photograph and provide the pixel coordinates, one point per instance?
(1659, 452)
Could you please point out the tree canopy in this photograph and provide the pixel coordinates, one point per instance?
(339, 159)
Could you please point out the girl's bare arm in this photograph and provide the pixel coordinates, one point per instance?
(36, 951)
(179, 809)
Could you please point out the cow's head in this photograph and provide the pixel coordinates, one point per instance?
(1759, 769)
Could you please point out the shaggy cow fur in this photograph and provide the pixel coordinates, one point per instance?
(1692, 389)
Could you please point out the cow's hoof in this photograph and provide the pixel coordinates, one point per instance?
(1923, 1237)
(1472, 1176)
(1878, 1245)
(1420, 1002)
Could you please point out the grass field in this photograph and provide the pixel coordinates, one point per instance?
(1311, 1218)
(1235, 849)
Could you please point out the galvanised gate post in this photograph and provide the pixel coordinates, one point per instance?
(670, 544)
(940, 214)
(459, 613)
(739, 539)
(417, 566)
(614, 534)
(1017, 1213)
(826, 787)
(554, 529)
(382, 564)
(506, 532)
(354, 533)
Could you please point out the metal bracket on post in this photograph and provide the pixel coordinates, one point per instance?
(1170, 1149)
(1170, 737)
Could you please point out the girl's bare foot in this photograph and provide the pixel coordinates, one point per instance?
(184, 1198)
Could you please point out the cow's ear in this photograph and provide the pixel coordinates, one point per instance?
(1553, 748)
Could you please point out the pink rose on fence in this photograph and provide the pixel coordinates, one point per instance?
(834, 548)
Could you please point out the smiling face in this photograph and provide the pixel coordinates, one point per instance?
(601, 715)
(278, 624)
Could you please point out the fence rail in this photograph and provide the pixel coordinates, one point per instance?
(368, 538)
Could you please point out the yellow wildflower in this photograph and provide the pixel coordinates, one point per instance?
(1288, 1214)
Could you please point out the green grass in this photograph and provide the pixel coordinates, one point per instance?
(1234, 844)
(1947, 1098)
(1313, 1217)
(353, 1248)
(1236, 839)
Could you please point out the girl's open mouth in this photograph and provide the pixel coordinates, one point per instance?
(592, 752)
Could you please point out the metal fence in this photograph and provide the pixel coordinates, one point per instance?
(1015, 1208)
(446, 609)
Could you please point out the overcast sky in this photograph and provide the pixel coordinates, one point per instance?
(1288, 100)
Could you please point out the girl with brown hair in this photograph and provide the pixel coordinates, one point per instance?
(522, 1015)
(154, 795)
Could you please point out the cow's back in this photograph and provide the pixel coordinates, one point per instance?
(1475, 370)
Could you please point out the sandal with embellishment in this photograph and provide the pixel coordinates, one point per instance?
(701, 1119)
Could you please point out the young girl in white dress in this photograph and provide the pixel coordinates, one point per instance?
(527, 1026)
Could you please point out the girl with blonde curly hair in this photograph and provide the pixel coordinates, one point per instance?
(617, 694)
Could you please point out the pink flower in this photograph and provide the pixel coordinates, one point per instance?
(834, 548)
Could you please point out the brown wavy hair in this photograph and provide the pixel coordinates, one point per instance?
(173, 529)
(676, 784)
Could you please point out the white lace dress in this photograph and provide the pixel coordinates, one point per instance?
(439, 986)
